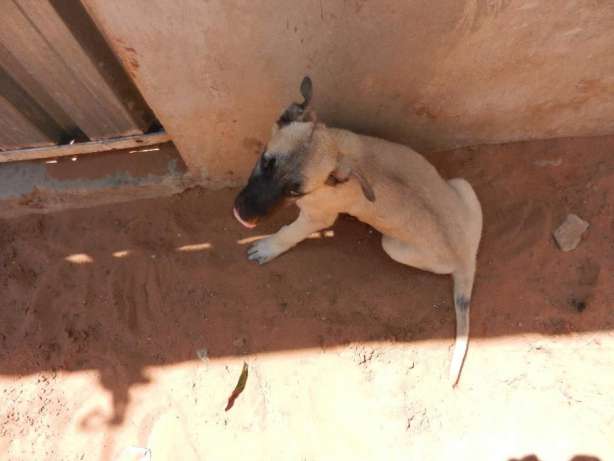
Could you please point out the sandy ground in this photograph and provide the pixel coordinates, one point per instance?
(127, 326)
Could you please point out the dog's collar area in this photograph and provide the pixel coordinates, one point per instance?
(332, 180)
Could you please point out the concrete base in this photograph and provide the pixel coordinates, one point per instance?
(77, 182)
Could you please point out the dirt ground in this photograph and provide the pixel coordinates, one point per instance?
(127, 326)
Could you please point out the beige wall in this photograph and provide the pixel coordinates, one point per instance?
(431, 73)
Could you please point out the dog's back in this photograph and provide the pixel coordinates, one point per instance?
(414, 203)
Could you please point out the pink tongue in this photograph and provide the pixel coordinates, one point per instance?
(246, 224)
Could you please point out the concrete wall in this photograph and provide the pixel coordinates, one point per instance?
(435, 74)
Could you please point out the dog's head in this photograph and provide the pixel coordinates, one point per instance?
(292, 164)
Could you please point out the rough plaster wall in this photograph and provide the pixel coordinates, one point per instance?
(434, 74)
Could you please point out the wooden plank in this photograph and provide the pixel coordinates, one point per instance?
(33, 32)
(16, 130)
(42, 125)
(126, 142)
(91, 40)
(17, 73)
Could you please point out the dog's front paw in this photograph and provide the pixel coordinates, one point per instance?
(263, 251)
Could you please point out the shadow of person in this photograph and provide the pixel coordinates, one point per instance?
(575, 458)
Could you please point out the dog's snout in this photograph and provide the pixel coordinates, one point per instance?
(261, 195)
(239, 211)
(249, 225)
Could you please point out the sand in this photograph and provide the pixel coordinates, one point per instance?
(127, 326)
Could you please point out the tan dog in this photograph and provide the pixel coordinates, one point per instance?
(426, 222)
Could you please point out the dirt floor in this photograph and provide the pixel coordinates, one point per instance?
(127, 326)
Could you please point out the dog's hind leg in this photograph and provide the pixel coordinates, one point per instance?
(409, 255)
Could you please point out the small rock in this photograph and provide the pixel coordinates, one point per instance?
(569, 234)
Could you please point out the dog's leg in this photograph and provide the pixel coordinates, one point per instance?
(409, 255)
(288, 236)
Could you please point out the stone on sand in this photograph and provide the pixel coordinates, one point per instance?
(569, 234)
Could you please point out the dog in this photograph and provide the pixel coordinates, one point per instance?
(426, 222)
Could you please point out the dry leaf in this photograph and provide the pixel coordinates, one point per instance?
(238, 389)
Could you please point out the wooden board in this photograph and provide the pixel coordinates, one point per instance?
(127, 142)
(34, 34)
(21, 113)
(19, 76)
(16, 130)
(93, 43)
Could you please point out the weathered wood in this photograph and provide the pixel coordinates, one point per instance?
(15, 71)
(42, 126)
(32, 32)
(91, 40)
(16, 130)
(126, 142)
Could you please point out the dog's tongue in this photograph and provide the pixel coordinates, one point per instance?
(245, 223)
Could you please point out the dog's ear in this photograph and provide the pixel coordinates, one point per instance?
(306, 91)
(344, 171)
(298, 112)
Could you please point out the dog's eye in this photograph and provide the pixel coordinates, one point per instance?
(294, 190)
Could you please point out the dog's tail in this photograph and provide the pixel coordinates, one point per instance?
(463, 285)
